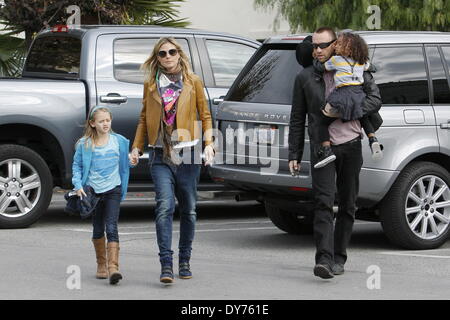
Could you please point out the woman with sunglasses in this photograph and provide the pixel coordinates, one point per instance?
(174, 108)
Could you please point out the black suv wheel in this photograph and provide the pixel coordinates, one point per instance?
(25, 186)
(288, 221)
(415, 214)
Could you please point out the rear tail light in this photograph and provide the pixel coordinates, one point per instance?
(299, 189)
(60, 28)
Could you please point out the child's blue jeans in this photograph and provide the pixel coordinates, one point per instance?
(106, 215)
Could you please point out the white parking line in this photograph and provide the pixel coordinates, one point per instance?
(152, 200)
(200, 231)
(366, 222)
(78, 230)
(175, 231)
(205, 224)
(414, 255)
(211, 223)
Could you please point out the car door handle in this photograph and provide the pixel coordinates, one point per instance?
(217, 101)
(113, 98)
(445, 125)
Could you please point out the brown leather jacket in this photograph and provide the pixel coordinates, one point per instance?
(191, 107)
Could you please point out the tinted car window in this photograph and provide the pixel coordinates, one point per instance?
(227, 60)
(58, 55)
(441, 90)
(401, 75)
(129, 54)
(269, 77)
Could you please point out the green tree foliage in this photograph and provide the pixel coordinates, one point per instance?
(32, 16)
(308, 15)
(11, 59)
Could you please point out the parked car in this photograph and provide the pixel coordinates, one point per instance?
(408, 190)
(69, 71)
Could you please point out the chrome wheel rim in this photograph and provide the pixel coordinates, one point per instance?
(20, 188)
(427, 207)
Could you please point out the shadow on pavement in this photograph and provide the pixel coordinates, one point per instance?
(144, 211)
(365, 236)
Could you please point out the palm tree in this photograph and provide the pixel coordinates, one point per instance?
(32, 16)
(154, 12)
(12, 55)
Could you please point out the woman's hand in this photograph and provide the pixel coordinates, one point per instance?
(209, 154)
(134, 156)
(81, 193)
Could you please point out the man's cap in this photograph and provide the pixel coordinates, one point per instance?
(304, 52)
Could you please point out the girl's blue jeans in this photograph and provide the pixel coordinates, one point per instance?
(106, 215)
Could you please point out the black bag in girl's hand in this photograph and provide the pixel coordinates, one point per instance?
(83, 207)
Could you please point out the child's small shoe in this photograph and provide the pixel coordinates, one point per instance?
(324, 156)
(377, 149)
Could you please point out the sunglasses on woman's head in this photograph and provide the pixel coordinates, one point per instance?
(323, 45)
(163, 54)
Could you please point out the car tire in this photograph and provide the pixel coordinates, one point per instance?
(413, 213)
(26, 186)
(288, 221)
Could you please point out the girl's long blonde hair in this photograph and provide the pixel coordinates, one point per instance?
(90, 134)
(152, 65)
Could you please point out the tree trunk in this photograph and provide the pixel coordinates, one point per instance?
(28, 38)
(89, 19)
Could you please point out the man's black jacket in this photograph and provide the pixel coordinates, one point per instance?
(309, 99)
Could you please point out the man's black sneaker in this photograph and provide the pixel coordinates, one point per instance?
(324, 156)
(338, 269)
(323, 271)
(377, 148)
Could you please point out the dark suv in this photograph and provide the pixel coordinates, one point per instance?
(408, 190)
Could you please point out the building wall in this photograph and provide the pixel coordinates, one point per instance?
(232, 16)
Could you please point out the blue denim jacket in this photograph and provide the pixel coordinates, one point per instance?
(84, 207)
(82, 163)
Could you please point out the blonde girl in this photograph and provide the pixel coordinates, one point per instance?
(101, 164)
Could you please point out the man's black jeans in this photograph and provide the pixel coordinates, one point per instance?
(343, 174)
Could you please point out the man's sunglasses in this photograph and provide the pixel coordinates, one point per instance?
(163, 54)
(323, 45)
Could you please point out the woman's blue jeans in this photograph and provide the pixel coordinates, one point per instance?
(172, 182)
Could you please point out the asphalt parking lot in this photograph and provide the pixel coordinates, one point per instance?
(238, 254)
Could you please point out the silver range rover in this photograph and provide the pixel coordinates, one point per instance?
(408, 190)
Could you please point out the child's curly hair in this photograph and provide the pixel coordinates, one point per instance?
(353, 46)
